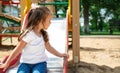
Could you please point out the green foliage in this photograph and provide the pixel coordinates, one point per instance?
(101, 21)
(63, 8)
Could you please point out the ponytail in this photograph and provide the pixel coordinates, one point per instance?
(22, 34)
(45, 35)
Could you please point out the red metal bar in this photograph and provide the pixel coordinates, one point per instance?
(6, 3)
(65, 65)
(10, 2)
(9, 35)
(17, 2)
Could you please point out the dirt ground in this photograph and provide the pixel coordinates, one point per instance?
(97, 55)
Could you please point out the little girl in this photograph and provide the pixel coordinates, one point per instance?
(32, 43)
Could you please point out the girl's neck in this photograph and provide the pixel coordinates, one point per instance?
(37, 31)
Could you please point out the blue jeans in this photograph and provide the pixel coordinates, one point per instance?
(33, 68)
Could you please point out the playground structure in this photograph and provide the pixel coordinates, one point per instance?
(10, 28)
(9, 20)
(73, 22)
(12, 19)
(10, 2)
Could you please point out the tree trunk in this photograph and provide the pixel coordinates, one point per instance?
(0, 23)
(86, 16)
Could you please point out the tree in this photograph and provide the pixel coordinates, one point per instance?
(86, 16)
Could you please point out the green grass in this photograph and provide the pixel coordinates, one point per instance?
(101, 33)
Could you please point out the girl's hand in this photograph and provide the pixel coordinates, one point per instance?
(64, 55)
(4, 66)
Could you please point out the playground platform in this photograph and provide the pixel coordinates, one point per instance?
(10, 18)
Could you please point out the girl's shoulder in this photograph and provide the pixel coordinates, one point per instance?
(33, 35)
(30, 35)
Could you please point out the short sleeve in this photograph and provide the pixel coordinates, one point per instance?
(27, 38)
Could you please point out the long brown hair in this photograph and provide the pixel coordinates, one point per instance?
(35, 16)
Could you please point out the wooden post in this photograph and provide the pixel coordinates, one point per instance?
(51, 7)
(75, 31)
(0, 23)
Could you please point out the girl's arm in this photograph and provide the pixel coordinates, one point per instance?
(53, 51)
(17, 50)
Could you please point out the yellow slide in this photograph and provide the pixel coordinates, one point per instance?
(27, 6)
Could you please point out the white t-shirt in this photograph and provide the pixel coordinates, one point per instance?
(34, 51)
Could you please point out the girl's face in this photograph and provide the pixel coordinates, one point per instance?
(47, 22)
